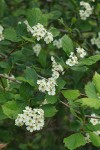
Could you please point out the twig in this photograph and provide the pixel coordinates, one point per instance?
(12, 51)
(87, 116)
(9, 78)
(65, 104)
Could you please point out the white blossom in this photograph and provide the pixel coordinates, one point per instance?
(73, 60)
(58, 43)
(20, 120)
(87, 11)
(42, 85)
(39, 32)
(81, 52)
(33, 119)
(37, 48)
(49, 85)
(48, 38)
(1, 33)
(96, 41)
(44, 102)
(29, 28)
(56, 68)
(93, 120)
(87, 138)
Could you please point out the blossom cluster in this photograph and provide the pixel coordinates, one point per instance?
(1, 33)
(48, 85)
(58, 43)
(84, 14)
(37, 48)
(56, 69)
(73, 59)
(96, 41)
(94, 121)
(39, 32)
(33, 119)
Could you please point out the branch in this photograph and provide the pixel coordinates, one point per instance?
(87, 116)
(9, 78)
(12, 51)
(65, 104)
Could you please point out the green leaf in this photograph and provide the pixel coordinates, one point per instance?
(35, 16)
(54, 31)
(71, 94)
(51, 99)
(60, 83)
(90, 90)
(90, 127)
(28, 39)
(67, 44)
(5, 96)
(10, 34)
(2, 115)
(96, 80)
(74, 141)
(89, 61)
(42, 58)
(26, 91)
(30, 76)
(49, 110)
(95, 139)
(90, 102)
(2, 8)
(11, 109)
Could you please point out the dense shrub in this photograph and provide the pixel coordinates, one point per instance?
(49, 74)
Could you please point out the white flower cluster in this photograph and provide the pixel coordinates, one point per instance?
(73, 59)
(81, 52)
(84, 14)
(37, 49)
(39, 32)
(1, 33)
(96, 41)
(48, 85)
(94, 121)
(58, 43)
(33, 119)
(56, 69)
(44, 102)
